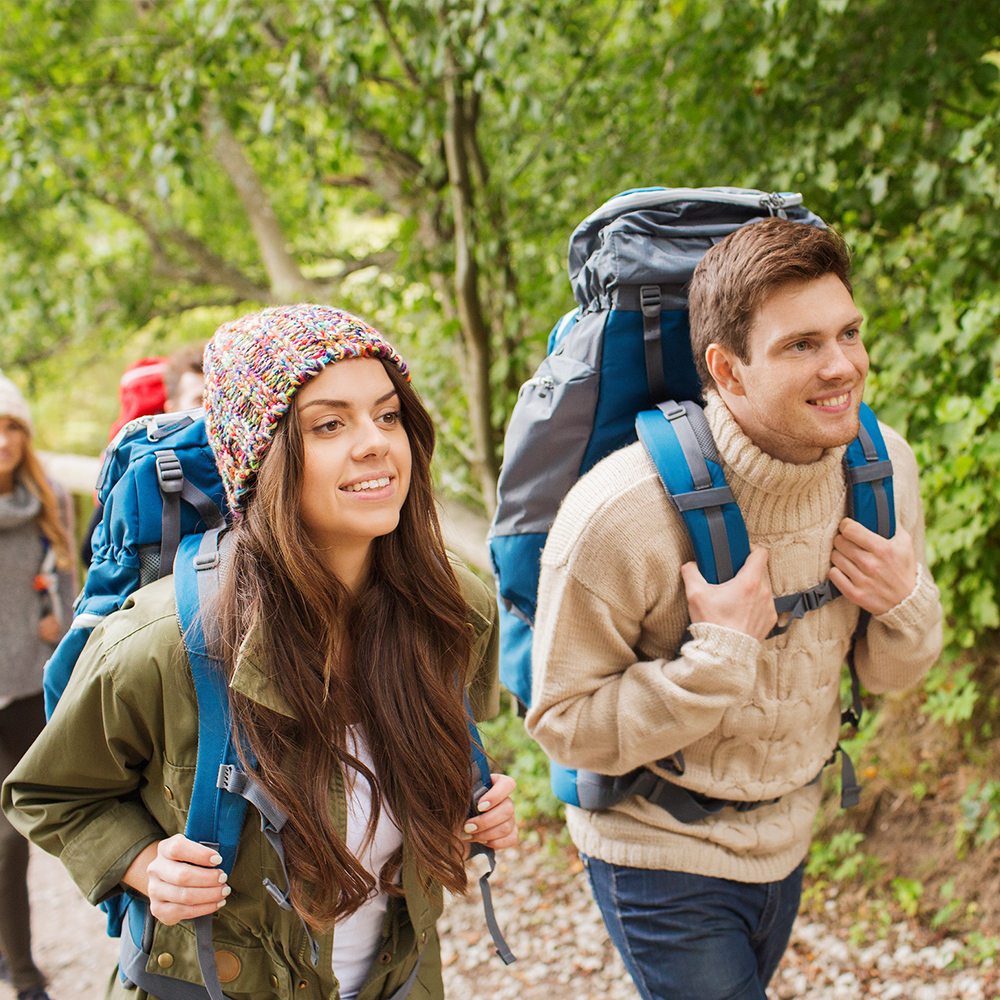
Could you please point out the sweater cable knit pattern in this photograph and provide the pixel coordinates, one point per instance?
(615, 689)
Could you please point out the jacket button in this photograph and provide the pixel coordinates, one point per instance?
(423, 937)
(168, 792)
(385, 958)
(228, 965)
(165, 960)
(274, 982)
(471, 629)
(303, 985)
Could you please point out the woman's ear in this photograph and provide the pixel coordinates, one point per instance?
(725, 369)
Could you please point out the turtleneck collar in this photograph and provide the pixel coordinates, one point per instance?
(794, 496)
(18, 507)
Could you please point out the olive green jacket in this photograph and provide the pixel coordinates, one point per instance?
(113, 772)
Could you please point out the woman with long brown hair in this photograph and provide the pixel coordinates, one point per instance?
(36, 567)
(349, 636)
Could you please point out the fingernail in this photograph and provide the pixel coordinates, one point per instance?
(223, 877)
(484, 805)
(470, 828)
(222, 903)
(215, 859)
(464, 836)
(226, 890)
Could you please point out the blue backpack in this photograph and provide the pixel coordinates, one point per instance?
(620, 368)
(165, 511)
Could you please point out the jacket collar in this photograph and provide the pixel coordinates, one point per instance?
(252, 678)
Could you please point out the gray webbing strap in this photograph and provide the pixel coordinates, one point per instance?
(170, 477)
(174, 488)
(715, 497)
(207, 508)
(272, 820)
(404, 991)
(850, 790)
(878, 486)
(132, 963)
(649, 302)
(206, 956)
(503, 949)
(687, 806)
(702, 480)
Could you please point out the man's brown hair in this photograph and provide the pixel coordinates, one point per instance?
(734, 279)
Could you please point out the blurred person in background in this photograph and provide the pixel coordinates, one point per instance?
(147, 387)
(36, 566)
(184, 378)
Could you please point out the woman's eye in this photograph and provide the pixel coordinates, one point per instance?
(391, 418)
(330, 426)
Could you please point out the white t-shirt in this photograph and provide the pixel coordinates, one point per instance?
(356, 937)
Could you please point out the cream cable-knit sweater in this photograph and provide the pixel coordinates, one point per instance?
(755, 720)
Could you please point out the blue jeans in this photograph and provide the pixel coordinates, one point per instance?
(692, 937)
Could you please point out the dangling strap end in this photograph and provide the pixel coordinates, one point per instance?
(850, 790)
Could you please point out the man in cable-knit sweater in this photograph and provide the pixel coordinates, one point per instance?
(636, 657)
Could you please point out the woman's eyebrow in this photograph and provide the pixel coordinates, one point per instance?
(344, 404)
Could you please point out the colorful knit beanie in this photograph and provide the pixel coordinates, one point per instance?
(256, 364)
(12, 404)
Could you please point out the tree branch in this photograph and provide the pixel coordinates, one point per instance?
(348, 180)
(586, 65)
(383, 15)
(286, 279)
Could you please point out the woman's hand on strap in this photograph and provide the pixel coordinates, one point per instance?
(180, 878)
(494, 826)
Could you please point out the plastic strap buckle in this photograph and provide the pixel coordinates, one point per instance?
(649, 300)
(281, 898)
(169, 473)
(206, 560)
(231, 779)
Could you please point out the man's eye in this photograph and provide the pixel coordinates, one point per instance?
(802, 345)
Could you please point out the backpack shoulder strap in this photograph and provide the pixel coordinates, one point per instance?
(868, 470)
(679, 441)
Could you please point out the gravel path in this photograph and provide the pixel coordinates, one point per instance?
(543, 904)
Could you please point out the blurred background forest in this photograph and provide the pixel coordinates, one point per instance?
(165, 166)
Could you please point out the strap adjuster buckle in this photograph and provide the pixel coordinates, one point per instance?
(169, 473)
(649, 300)
(206, 560)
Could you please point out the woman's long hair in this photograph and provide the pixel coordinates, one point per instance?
(393, 658)
(49, 519)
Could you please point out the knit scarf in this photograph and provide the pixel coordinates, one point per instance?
(18, 507)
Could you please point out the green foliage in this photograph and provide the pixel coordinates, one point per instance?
(953, 906)
(979, 815)
(524, 760)
(952, 694)
(981, 948)
(907, 893)
(838, 859)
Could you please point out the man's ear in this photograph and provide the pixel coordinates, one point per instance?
(724, 368)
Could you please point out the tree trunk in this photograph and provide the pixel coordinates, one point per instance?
(475, 331)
